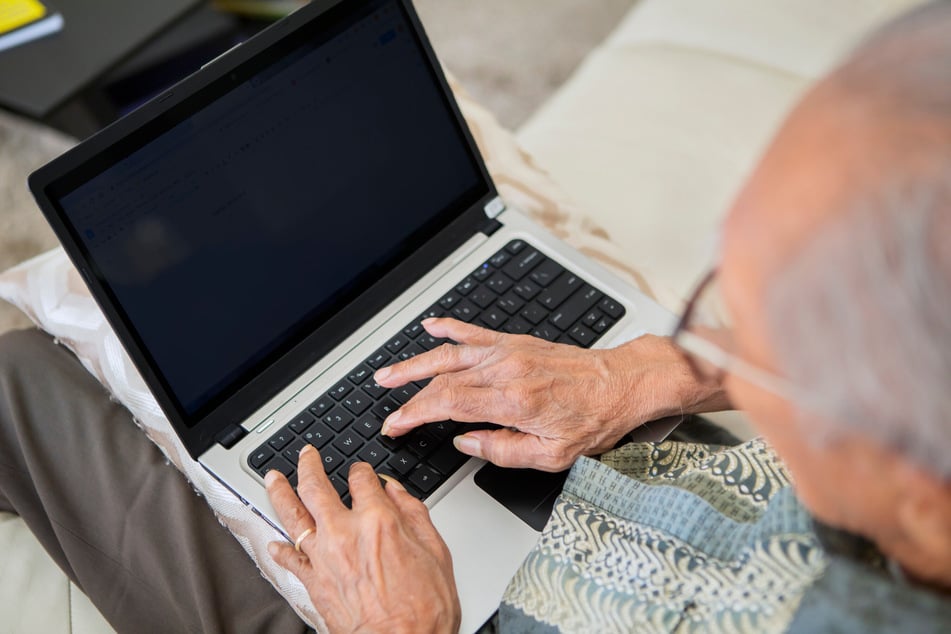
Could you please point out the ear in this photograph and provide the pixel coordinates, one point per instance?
(924, 517)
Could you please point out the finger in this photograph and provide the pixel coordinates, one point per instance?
(292, 513)
(314, 488)
(512, 449)
(412, 510)
(365, 489)
(448, 401)
(443, 360)
(286, 557)
(461, 332)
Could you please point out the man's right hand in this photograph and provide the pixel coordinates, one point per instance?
(556, 402)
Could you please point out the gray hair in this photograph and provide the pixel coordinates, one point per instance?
(861, 316)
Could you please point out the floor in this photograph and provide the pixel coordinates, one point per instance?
(509, 54)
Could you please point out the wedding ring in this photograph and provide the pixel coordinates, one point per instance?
(301, 538)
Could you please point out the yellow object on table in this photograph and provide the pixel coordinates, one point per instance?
(17, 13)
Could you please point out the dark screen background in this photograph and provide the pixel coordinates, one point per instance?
(225, 234)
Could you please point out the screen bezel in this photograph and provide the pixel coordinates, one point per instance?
(454, 226)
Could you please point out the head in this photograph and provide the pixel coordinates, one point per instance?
(836, 271)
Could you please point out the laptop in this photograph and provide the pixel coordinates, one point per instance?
(267, 233)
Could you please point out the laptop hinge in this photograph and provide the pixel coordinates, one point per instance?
(490, 227)
(494, 207)
(229, 437)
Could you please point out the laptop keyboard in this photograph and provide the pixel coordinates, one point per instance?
(518, 290)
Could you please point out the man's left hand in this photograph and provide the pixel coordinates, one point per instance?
(380, 567)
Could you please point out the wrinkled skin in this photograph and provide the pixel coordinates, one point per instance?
(557, 402)
(380, 567)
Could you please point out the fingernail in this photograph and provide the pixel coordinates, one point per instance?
(306, 449)
(382, 374)
(391, 481)
(428, 320)
(270, 477)
(273, 549)
(468, 445)
(391, 420)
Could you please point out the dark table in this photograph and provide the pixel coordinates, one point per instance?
(84, 77)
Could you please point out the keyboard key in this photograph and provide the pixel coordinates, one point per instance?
(511, 303)
(434, 311)
(428, 342)
(515, 246)
(384, 408)
(583, 335)
(517, 326)
(393, 444)
(447, 459)
(499, 284)
(373, 453)
(441, 430)
(378, 359)
(340, 390)
(259, 457)
(405, 393)
(560, 291)
(527, 289)
(361, 374)
(414, 330)
(577, 305)
(323, 405)
(482, 297)
(611, 307)
(357, 402)
(281, 439)
(546, 332)
(318, 435)
(337, 419)
(291, 452)
(499, 259)
(603, 324)
(279, 464)
(482, 273)
(403, 462)
(421, 443)
(374, 389)
(397, 343)
(465, 310)
(450, 300)
(591, 318)
(302, 422)
(467, 286)
(546, 272)
(368, 426)
(494, 318)
(425, 479)
(522, 265)
(348, 443)
(331, 458)
(534, 314)
(410, 351)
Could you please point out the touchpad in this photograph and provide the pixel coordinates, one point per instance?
(527, 493)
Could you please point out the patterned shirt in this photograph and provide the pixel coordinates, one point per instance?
(678, 537)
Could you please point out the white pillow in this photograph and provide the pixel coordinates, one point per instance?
(50, 291)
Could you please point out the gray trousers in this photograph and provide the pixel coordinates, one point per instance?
(121, 523)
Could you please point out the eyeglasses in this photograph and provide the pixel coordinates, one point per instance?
(704, 336)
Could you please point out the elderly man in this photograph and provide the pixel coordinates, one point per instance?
(836, 283)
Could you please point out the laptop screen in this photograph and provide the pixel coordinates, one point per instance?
(242, 226)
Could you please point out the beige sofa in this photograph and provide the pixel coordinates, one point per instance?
(650, 138)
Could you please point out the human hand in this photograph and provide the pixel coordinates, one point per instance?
(380, 567)
(556, 401)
